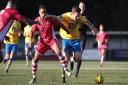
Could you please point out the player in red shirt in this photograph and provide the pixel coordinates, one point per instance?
(7, 15)
(46, 41)
(102, 39)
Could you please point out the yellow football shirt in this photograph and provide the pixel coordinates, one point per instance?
(27, 33)
(72, 25)
(13, 33)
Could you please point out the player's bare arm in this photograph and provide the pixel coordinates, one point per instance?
(94, 30)
(64, 27)
(29, 22)
(58, 19)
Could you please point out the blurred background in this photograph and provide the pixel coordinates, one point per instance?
(111, 13)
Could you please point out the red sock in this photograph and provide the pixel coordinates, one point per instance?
(34, 69)
(63, 63)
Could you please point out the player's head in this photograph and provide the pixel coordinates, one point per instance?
(42, 10)
(75, 12)
(101, 27)
(11, 4)
(82, 7)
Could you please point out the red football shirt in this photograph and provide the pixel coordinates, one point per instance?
(45, 27)
(8, 14)
(101, 37)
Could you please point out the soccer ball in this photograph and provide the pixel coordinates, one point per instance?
(99, 79)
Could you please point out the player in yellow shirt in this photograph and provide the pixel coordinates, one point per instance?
(71, 41)
(83, 35)
(27, 35)
(11, 44)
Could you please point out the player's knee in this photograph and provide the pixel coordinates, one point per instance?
(35, 60)
(77, 59)
(36, 56)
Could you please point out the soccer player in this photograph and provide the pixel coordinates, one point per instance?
(83, 35)
(11, 44)
(46, 41)
(71, 40)
(102, 39)
(28, 36)
(10, 13)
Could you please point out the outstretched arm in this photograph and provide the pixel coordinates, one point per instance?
(57, 21)
(94, 30)
(27, 21)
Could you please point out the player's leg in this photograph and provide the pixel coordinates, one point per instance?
(26, 53)
(77, 58)
(83, 48)
(102, 53)
(71, 53)
(40, 48)
(34, 67)
(99, 50)
(12, 54)
(67, 58)
(6, 58)
(63, 62)
(101, 56)
(30, 52)
(77, 54)
(63, 79)
(7, 52)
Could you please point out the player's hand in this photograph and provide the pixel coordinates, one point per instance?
(7, 38)
(94, 31)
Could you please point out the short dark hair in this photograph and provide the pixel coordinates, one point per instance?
(41, 7)
(76, 9)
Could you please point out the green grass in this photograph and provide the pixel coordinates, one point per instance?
(115, 73)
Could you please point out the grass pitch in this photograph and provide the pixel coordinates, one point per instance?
(49, 73)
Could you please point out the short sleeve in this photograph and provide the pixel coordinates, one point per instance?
(34, 28)
(83, 19)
